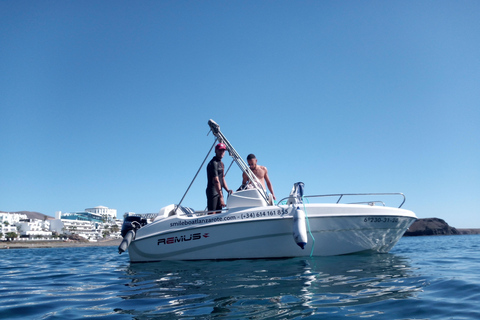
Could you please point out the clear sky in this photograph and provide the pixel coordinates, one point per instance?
(107, 102)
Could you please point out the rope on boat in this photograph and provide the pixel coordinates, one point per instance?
(308, 226)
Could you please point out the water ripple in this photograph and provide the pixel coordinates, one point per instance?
(423, 278)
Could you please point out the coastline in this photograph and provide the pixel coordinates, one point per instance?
(57, 244)
(469, 231)
(421, 227)
(436, 227)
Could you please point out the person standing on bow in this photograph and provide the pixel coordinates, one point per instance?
(260, 172)
(216, 180)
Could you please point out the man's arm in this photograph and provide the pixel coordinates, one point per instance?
(245, 178)
(225, 186)
(269, 184)
(218, 187)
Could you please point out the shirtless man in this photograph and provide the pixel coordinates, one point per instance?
(260, 172)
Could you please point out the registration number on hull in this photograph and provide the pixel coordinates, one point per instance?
(381, 219)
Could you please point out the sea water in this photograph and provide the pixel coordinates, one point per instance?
(435, 277)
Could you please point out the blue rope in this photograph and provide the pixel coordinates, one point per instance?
(308, 225)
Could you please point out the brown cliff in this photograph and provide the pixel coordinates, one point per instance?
(435, 226)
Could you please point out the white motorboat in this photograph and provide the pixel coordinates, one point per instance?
(253, 226)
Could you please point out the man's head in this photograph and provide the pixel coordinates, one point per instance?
(252, 161)
(220, 150)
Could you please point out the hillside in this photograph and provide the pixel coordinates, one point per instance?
(34, 215)
(435, 226)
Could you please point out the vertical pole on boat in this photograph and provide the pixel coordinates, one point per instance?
(228, 168)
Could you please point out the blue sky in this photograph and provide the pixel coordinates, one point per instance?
(107, 102)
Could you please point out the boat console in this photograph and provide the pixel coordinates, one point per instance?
(245, 199)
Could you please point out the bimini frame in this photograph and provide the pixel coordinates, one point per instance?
(215, 128)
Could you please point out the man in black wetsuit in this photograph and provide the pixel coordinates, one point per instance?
(216, 180)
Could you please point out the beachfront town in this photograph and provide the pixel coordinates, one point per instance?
(92, 224)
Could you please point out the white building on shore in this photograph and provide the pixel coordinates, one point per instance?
(87, 229)
(91, 224)
(23, 226)
(34, 228)
(11, 218)
(103, 211)
(8, 222)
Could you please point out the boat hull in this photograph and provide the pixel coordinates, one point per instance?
(266, 232)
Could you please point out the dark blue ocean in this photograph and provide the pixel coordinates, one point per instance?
(435, 277)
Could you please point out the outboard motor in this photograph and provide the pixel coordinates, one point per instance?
(130, 225)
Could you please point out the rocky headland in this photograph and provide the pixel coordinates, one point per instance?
(435, 227)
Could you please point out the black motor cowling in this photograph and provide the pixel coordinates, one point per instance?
(129, 227)
(132, 223)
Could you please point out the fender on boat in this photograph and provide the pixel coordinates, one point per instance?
(126, 241)
(299, 228)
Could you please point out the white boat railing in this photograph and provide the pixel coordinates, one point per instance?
(369, 202)
(180, 211)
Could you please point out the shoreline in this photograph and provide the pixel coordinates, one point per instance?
(5, 245)
(57, 244)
